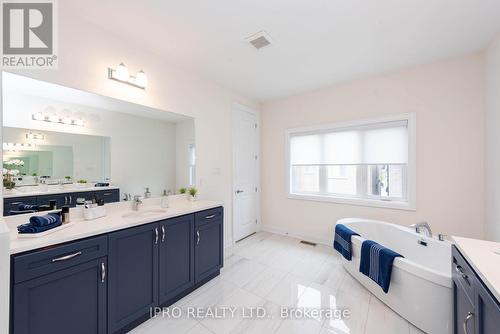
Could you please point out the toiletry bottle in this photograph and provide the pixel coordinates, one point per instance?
(65, 214)
(147, 194)
(164, 200)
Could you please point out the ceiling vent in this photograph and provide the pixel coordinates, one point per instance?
(259, 40)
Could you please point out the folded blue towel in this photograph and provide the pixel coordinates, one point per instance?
(26, 207)
(342, 240)
(376, 263)
(49, 221)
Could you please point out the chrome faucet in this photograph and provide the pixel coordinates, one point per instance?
(423, 226)
(136, 203)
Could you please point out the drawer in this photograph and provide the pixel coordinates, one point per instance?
(109, 196)
(54, 258)
(209, 216)
(463, 274)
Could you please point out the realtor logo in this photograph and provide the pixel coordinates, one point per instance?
(28, 34)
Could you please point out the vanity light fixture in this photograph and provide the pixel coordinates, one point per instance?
(53, 118)
(121, 74)
(35, 136)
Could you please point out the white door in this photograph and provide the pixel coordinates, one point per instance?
(245, 176)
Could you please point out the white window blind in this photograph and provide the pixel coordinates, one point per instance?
(367, 162)
(385, 143)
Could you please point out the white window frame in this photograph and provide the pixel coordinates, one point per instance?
(411, 184)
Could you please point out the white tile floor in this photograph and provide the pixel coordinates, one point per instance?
(271, 271)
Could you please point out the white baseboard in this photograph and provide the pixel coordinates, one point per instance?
(296, 234)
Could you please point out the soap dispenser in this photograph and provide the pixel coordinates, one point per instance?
(164, 200)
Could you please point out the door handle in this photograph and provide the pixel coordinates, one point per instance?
(163, 234)
(66, 257)
(467, 318)
(239, 191)
(198, 237)
(156, 235)
(103, 272)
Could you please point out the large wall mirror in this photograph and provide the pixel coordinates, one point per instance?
(57, 138)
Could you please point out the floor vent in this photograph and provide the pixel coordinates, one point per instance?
(308, 243)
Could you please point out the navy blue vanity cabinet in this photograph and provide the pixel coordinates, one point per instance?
(12, 204)
(476, 311)
(208, 243)
(176, 257)
(61, 290)
(133, 274)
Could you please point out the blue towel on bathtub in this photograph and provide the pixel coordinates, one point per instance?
(39, 224)
(342, 241)
(376, 263)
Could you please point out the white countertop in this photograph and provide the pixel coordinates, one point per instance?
(51, 189)
(479, 254)
(113, 221)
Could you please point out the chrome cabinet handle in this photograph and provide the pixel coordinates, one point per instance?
(103, 272)
(460, 270)
(65, 200)
(66, 257)
(210, 217)
(163, 234)
(467, 318)
(198, 237)
(156, 235)
(70, 199)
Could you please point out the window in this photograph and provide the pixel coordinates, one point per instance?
(365, 163)
(192, 165)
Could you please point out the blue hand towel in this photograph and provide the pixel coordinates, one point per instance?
(27, 207)
(376, 263)
(48, 219)
(342, 240)
(30, 227)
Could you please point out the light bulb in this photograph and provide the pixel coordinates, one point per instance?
(141, 79)
(121, 72)
(38, 116)
(79, 122)
(54, 119)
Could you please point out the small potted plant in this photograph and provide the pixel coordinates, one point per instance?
(68, 179)
(82, 183)
(182, 191)
(192, 193)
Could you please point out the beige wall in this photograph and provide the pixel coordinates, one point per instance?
(447, 98)
(85, 52)
(492, 72)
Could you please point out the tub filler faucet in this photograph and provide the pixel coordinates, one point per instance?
(423, 228)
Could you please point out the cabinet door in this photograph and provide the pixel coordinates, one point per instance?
(488, 312)
(208, 250)
(464, 311)
(176, 256)
(133, 274)
(72, 300)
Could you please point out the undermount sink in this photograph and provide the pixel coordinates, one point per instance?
(143, 213)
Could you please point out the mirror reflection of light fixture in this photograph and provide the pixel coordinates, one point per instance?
(35, 136)
(15, 147)
(53, 118)
(121, 74)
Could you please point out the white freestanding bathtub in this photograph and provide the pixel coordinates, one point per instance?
(421, 285)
